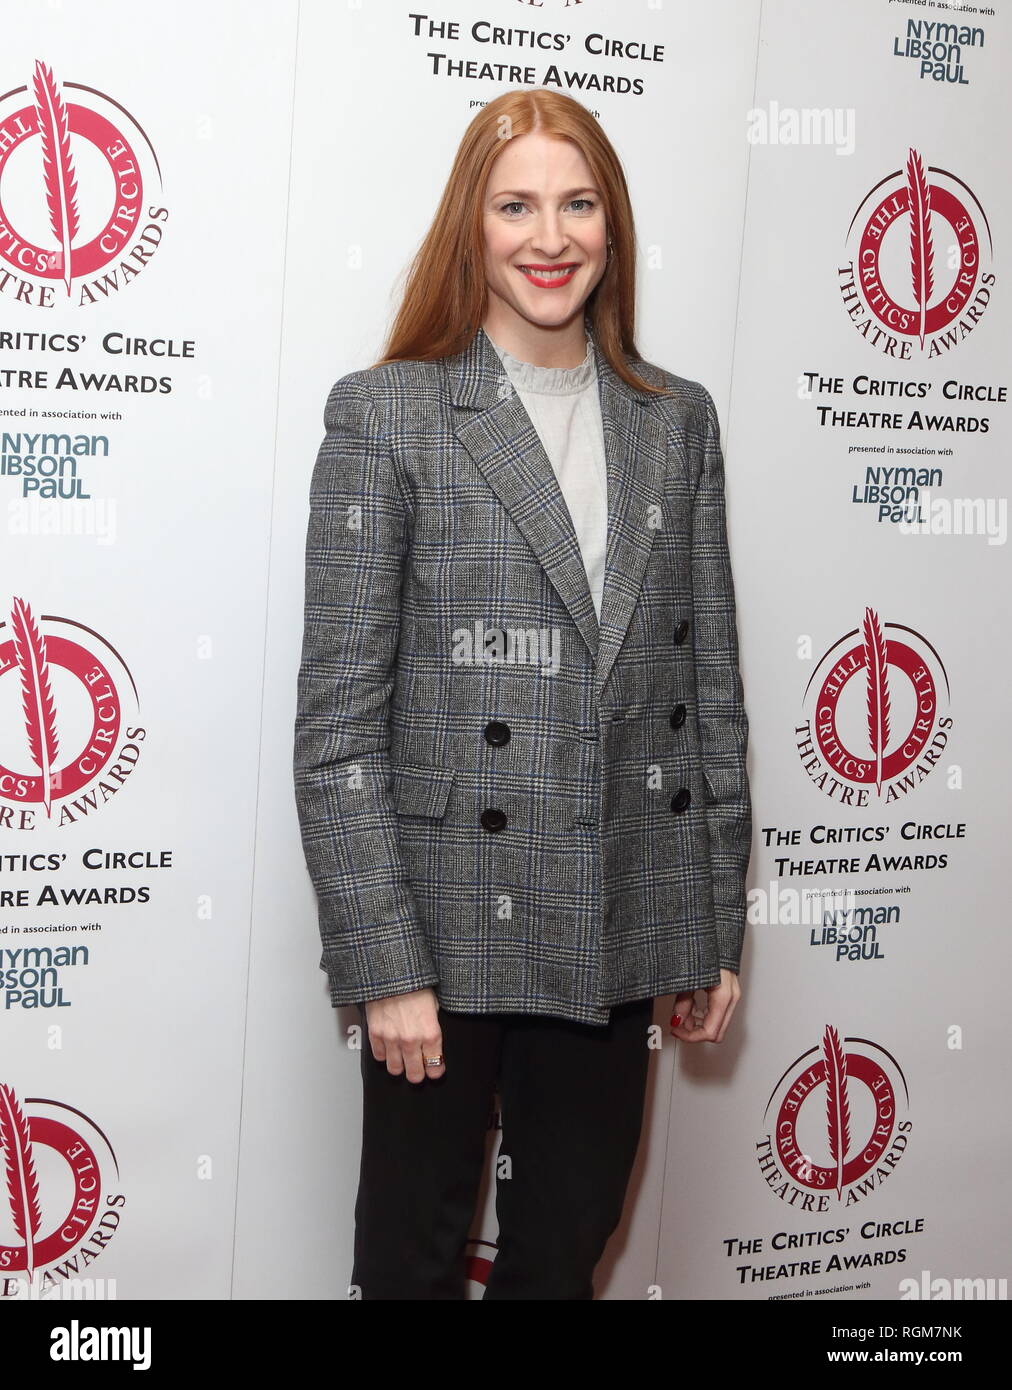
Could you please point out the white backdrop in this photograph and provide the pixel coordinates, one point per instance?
(182, 1102)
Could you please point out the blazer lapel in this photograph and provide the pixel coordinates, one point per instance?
(497, 432)
(636, 450)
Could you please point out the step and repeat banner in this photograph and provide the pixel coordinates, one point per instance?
(202, 228)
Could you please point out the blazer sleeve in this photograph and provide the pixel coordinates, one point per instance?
(356, 545)
(723, 723)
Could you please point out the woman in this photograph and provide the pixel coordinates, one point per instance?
(521, 738)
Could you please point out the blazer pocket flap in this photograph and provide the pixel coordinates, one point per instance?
(421, 791)
(721, 783)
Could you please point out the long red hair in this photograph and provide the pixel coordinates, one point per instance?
(445, 295)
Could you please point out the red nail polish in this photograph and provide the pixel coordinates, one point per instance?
(676, 1020)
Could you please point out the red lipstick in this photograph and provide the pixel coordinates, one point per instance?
(554, 278)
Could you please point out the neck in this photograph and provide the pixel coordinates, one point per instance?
(561, 346)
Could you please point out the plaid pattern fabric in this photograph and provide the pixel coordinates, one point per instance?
(498, 796)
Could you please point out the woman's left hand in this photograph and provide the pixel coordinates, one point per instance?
(711, 1026)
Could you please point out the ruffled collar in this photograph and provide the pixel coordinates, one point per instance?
(549, 381)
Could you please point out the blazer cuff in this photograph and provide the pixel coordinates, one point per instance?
(398, 968)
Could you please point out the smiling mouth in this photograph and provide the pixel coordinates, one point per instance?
(549, 273)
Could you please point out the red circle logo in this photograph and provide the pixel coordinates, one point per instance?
(873, 718)
(72, 187)
(63, 708)
(922, 241)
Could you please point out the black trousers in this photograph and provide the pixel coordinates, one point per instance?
(572, 1098)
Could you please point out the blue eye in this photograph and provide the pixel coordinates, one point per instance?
(580, 205)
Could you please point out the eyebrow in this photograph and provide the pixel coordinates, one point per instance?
(526, 193)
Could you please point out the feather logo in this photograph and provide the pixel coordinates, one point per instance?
(890, 239)
(921, 251)
(19, 1169)
(36, 695)
(849, 1066)
(876, 659)
(57, 163)
(837, 1107)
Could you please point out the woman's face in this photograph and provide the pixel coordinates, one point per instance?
(541, 210)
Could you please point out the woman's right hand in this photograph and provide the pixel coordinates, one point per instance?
(404, 1030)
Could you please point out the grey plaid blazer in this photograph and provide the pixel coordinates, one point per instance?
(497, 796)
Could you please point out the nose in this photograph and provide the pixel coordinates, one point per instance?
(548, 237)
